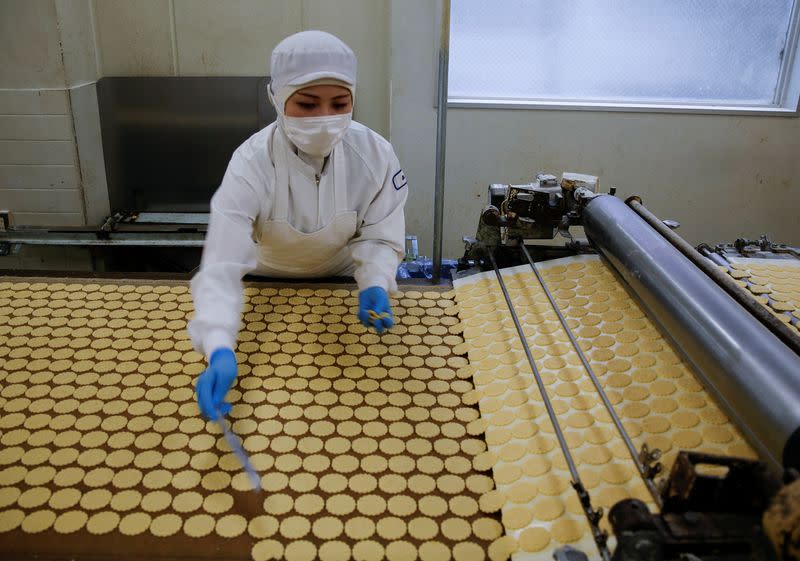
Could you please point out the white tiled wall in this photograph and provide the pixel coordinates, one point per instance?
(39, 179)
(39, 176)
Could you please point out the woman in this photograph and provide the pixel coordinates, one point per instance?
(314, 194)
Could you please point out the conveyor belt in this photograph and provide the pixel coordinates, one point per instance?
(365, 446)
(659, 400)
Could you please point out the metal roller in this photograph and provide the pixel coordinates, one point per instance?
(754, 377)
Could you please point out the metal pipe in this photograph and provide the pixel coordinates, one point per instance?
(441, 138)
(754, 377)
(593, 516)
(706, 252)
(646, 477)
(783, 331)
(127, 239)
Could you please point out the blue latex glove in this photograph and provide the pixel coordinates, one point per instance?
(214, 383)
(374, 299)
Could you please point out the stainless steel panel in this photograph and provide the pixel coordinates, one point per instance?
(167, 140)
(172, 218)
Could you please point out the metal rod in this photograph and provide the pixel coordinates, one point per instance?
(441, 140)
(752, 375)
(783, 331)
(706, 252)
(783, 88)
(592, 515)
(648, 481)
(128, 239)
(241, 455)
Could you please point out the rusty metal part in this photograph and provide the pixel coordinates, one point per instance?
(690, 536)
(705, 515)
(750, 248)
(781, 522)
(651, 466)
(700, 481)
(491, 216)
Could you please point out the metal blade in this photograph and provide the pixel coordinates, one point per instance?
(240, 454)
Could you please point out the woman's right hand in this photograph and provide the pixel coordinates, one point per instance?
(214, 383)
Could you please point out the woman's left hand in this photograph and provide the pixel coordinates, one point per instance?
(374, 309)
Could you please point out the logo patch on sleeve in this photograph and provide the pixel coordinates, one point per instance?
(399, 180)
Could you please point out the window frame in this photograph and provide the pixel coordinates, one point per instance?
(786, 102)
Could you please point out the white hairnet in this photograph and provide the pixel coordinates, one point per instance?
(306, 57)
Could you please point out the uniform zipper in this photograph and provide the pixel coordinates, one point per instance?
(316, 178)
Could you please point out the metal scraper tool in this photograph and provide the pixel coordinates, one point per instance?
(240, 454)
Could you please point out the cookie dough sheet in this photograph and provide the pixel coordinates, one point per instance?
(773, 282)
(657, 397)
(362, 440)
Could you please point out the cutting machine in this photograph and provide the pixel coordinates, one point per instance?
(745, 356)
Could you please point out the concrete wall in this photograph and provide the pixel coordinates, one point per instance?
(720, 176)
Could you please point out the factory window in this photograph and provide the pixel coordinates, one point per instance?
(728, 55)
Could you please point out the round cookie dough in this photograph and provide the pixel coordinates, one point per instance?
(231, 525)
(10, 519)
(135, 523)
(96, 499)
(502, 548)
(329, 527)
(301, 550)
(534, 539)
(400, 551)
(166, 525)
(217, 503)
(391, 528)
(263, 526)
(359, 527)
(467, 551)
(102, 522)
(34, 497)
(548, 508)
(155, 501)
(187, 501)
(70, 521)
(199, 525)
(487, 528)
(567, 530)
(38, 521)
(126, 500)
(516, 518)
(267, 550)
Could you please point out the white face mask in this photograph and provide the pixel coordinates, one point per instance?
(316, 136)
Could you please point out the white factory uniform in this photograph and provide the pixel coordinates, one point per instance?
(270, 217)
